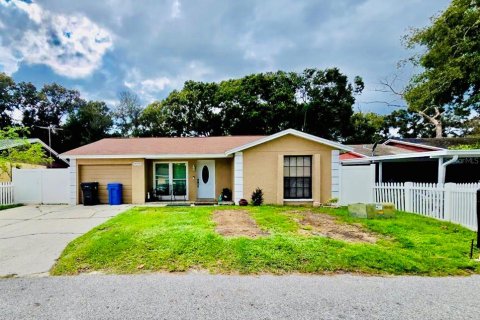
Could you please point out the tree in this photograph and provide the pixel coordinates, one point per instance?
(16, 150)
(154, 120)
(7, 89)
(127, 114)
(408, 124)
(193, 111)
(327, 100)
(450, 81)
(45, 108)
(368, 128)
(90, 122)
(262, 103)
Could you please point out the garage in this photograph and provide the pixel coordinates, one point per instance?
(104, 174)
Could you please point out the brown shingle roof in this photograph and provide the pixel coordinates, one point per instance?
(158, 146)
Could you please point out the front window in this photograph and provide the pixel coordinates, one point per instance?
(297, 177)
(170, 179)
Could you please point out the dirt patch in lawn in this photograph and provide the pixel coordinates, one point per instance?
(321, 224)
(236, 223)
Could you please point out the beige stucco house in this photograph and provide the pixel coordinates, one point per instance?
(289, 166)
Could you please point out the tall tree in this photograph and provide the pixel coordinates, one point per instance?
(450, 81)
(90, 122)
(328, 98)
(262, 103)
(193, 110)
(127, 114)
(316, 101)
(7, 90)
(408, 124)
(155, 120)
(46, 108)
(368, 128)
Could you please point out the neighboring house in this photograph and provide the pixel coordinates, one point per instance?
(418, 160)
(388, 148)
(289, 166)
(57, 161)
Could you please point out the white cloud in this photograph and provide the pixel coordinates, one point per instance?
(72, 45)
(146, 88)
(150, 88)
(8, 61)
(176, 9)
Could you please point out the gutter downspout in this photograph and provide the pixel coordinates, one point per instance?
(443, 166)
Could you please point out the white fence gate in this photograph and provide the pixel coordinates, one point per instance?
(356, 184)
(451, 202)
(36, 186)
(6, 193)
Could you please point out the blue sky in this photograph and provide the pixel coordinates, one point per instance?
(152, 47)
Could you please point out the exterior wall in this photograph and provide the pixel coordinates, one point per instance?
(263, 167)
(223, 175)
(129, 171)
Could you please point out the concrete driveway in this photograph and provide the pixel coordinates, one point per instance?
(32, 237)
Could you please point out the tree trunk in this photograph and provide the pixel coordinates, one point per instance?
(436, 120)
(438, 129)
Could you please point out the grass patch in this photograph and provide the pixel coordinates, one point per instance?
(181, 239)
(9, 206)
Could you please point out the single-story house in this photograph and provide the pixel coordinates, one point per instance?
(289, 166)
(57, 161)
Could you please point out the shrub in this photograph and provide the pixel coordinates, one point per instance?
(226, 194)
(243, 202)
(257, 197)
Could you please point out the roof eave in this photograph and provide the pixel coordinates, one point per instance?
(147, 156)
(413, 144)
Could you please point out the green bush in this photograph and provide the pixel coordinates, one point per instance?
(257, 197)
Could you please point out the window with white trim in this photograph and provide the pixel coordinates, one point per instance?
(297, 177)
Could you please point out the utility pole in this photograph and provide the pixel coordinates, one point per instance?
(50, 128)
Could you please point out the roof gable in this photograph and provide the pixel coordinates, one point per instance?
(290, 132)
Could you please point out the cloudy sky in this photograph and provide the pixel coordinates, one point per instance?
(152, 47)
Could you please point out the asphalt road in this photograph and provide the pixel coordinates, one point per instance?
(200, 296)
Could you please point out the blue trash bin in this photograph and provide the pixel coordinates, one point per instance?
(114, 193)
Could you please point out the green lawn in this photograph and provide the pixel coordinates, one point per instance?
(8, 206)
(180, 239)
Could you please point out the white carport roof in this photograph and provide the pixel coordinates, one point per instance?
(474, 153)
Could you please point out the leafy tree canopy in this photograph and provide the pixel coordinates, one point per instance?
(450, 81)
(15, 150)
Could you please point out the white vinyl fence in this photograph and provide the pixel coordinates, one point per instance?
(452, 202)
(41, 186)
(6, 193)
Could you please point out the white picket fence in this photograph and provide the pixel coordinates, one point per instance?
(452, 202)
(6, 193)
